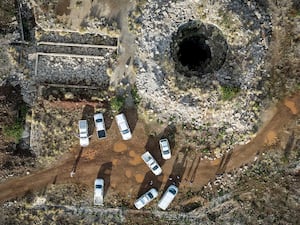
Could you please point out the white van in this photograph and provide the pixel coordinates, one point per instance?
(168, 197)
(123, 126)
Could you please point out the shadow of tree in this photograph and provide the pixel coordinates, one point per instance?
(178, 169)
(150, 181)
(105, 173)
(74, 168)
(223, 164)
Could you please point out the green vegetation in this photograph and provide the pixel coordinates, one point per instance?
(117, 104)
(228, 92)
(205, 150)
(135, 95)
(15, 130)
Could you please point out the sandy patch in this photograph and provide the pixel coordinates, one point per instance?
(139, 178)
(115, 162)
(135, 158)
(113, 184)
(271, 138)
(120, 147)
(291, 105)
(215, 162)
(128, 173)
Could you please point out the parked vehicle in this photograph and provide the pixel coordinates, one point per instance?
(123, 126)
(168, 197)
(83, 133)
(151, 163)
(98, 191)
(146, 198)
(165, 148)
(100, 125)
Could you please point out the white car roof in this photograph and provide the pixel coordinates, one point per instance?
(168, 197)
(123, 125)
(120, 117)
(144, 199)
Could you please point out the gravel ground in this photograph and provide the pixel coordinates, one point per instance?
(92, 39)
(68, 70)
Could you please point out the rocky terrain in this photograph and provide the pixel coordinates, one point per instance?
(64, 60)
(246, 28)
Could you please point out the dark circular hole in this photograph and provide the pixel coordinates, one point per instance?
(194, 52)
(198, 48)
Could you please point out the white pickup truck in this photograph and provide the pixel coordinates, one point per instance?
(151, 163)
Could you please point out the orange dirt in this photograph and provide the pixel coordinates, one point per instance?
(119, 163)
(291, 105)
(271, 138)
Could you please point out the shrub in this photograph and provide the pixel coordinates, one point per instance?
(135, 95)
(228, 92)
(15, 130)
(117, 104)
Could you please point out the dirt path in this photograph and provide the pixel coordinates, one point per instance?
(286, 113)
(125, 173)
(123, 72)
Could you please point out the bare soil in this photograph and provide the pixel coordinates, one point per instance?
(125, 174)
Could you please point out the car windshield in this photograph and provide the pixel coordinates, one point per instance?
(164, 144)
(83, 134)
(98, 186)
(173, 191)
(166, 152)
(98, 120)
(125, 131)
(150, 195)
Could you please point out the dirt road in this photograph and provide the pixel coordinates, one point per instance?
(120, 165)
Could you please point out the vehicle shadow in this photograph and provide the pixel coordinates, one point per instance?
(108, 119)
(223, 164)
(88, 114)
(152, 145)
(178, 169)
(150, 181)
(105, 173)
(132, 117)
